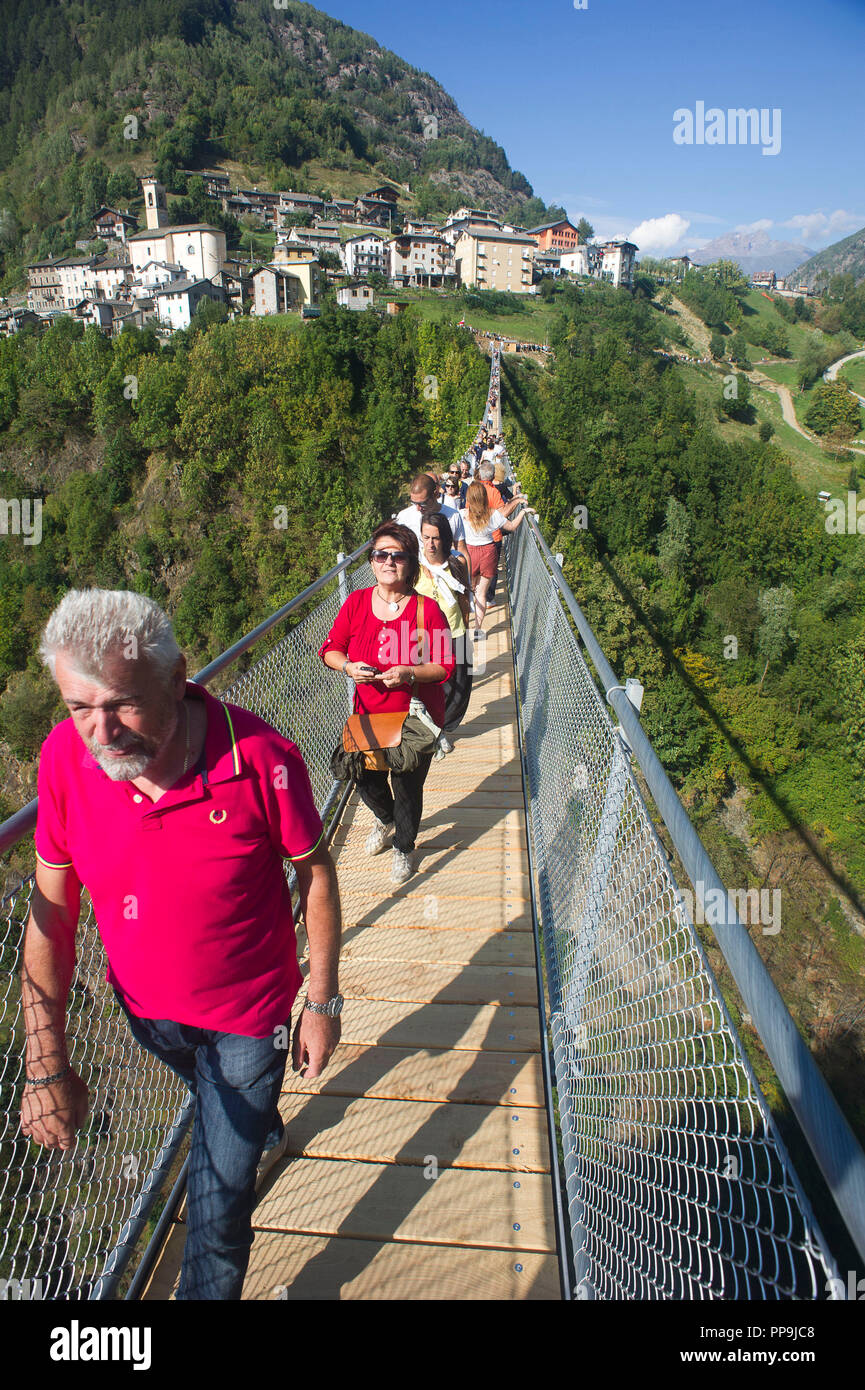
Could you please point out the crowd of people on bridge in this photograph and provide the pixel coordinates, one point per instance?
(435, 565)
(197, 919)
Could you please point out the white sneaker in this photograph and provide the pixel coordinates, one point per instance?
(378, 837)
(402, 867)
(445, 744)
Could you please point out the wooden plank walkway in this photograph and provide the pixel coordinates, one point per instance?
(438, 1071)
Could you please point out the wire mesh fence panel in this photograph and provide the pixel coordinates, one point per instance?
(61, 1214)
(676, 1185)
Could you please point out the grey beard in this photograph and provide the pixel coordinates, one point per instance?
(135, 765)
(122, 769)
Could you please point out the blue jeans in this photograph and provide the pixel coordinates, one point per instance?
(236, 1082)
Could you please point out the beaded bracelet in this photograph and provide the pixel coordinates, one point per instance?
(48, 1080)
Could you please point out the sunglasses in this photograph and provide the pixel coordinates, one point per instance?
(398, 556)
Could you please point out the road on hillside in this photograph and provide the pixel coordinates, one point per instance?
(831, 372)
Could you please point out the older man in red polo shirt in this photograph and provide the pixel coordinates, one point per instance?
(176, 811)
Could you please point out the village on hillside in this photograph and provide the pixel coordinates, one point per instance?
(162, 272)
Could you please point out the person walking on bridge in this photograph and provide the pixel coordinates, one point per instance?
(375, 642)
(444, 576)
(480, 523)
(424, 501)
(498, 501)
(176, 811)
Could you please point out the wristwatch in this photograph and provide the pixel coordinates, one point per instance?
(332, 1008)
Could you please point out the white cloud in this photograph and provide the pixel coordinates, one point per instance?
(818, 226)
(761, 225)
(659, 233)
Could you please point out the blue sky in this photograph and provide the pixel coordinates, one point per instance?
(583, 103)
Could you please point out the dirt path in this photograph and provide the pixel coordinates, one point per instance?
(698, 331)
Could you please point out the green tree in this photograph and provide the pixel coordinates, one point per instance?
(674, 542)
(736, 397)
(585, 231)
(738, 350)
(834, 411)
(122, 185)
(776, 632)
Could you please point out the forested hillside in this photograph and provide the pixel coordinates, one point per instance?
(94, 94)
(219, 474)
(706, 573)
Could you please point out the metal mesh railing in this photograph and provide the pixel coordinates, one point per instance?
(68, 1222)
(678, 1186)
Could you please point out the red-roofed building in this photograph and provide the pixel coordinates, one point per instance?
(555, 236)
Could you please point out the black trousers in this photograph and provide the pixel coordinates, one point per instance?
(403, 806)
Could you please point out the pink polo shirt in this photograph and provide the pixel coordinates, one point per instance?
(189, 892)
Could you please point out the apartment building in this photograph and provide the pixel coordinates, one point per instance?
(555, 236)
(495, 260)
(276, 291)
(300, 261)
(419, 260)
(364, 254)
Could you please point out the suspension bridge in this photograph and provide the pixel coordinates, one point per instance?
(540, 1091)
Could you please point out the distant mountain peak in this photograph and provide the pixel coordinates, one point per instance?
(754, 251)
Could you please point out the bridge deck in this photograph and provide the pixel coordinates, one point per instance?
(438, 1070)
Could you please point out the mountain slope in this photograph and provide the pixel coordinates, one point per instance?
(91, 87)
(843, 257)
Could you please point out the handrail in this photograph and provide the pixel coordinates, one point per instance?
(828, 1133)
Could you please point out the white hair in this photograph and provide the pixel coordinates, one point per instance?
(486, 472)
(88, 625)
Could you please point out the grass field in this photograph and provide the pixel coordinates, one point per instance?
(813, 469)
(530, 324)
(854, 375)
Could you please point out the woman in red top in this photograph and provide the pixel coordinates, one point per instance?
(374, 641)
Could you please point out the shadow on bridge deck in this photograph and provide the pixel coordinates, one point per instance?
(439, 1065)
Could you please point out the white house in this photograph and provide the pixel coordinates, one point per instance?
(617, 262)
(576, 261)
(177, 302)
(357, 296)
(610, 260)
(276, 290)
(419, 260)
(361, 255)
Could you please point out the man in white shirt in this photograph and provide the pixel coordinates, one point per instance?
(424, 502)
